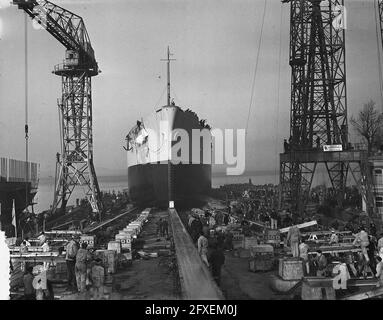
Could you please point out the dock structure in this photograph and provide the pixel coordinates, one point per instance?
(196, 280)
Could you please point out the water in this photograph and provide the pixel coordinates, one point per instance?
(44, 197)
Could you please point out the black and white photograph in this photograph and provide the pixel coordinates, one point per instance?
(208, 151)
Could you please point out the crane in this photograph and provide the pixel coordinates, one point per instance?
(74, 165)
(318, 118)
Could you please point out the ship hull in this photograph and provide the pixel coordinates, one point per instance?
(149, 153)
(148, 183)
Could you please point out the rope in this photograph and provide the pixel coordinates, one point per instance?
(26, 129)
(379, 35)
(156, 105)
(278, 93)
(256, 65)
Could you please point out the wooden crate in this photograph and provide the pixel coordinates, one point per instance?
(291, 269)
(250, 242)
(109, 259)
(317, 292)
(261, 263)
(115, 245)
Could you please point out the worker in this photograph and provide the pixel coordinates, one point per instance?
(371, 249)
(159, 227)
(321, 262)
(317, 141)
(27, 243)
(165, 228)
(228, 243)
(196, 229)
(304, 255)
(45, 246)
(203, 247)
(29, 291)
(23, 247)
(373, 229)
(361, 240)
(191, 218)
(98, 275)
(71, 252)
(273, 219)
(334, 239)
(293, 238)
(42, 238)
(379, 271)
(217, 260)
(82, 259)
(380, 246)
(226, 219)
(286, 146)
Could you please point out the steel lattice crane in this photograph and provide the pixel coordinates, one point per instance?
(75, 164)
(318, 119)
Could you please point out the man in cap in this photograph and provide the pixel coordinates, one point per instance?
(293, 238)
(334, 239)
(82, 258)
(380, 246)
(361, 239)
(70, 258)
(98, 275)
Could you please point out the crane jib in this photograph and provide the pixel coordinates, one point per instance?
(67, 27)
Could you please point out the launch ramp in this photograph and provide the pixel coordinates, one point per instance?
(195, 277)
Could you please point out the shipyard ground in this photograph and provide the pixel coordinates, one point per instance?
(143, 279)
(152, 279)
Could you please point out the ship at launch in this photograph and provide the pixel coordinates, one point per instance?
(164, 164)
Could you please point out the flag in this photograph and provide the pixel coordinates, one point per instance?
(14, 217)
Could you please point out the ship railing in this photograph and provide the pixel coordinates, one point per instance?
(12, 170)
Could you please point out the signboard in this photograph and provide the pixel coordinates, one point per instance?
(88, 240)
(171, 204)
(332, 147)
(273, 236)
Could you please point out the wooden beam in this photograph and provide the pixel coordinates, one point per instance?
(196, 280)
(300, 226)
(104, 223)
(365, 295)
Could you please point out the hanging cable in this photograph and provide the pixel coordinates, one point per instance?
(379, 41)
(278, 93)
(256, 64)
(26, 128)
(159, 100)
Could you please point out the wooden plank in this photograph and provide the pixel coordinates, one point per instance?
(322, 233)
(102, 224)
(365, 295)
(35, 254)
(62, 232)
(300, 226)
(335, 250)
(196, 280)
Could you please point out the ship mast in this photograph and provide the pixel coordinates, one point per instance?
(168, 73)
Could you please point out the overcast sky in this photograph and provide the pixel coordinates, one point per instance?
(215, 43)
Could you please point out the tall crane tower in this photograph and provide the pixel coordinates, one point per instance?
(318, 119)
(75, 163)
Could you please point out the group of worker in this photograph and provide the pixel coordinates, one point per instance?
(210, 250)
(83, 269)
(371, 254)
